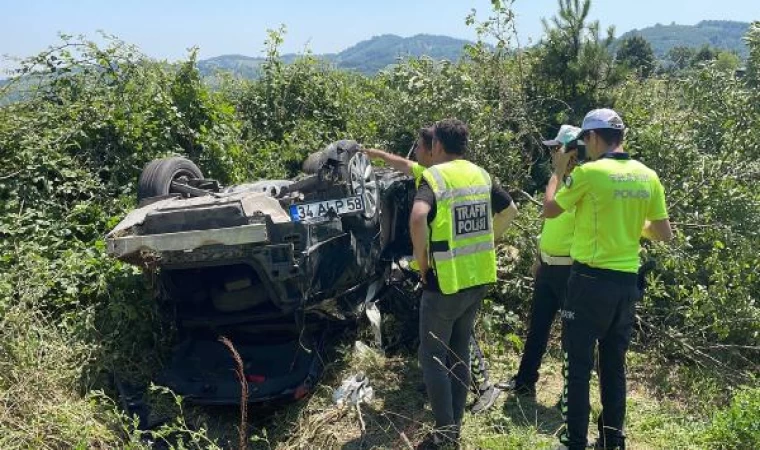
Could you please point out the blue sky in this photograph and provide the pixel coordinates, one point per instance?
(166, 28)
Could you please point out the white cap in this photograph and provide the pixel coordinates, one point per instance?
(602, 118)
(566, 134)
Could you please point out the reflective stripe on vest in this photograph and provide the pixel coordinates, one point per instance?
(461, 234)
(465, 250)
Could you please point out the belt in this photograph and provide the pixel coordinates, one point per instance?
(556, 260)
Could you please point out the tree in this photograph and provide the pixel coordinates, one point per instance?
(574, 66)
(636, 53)
(753, 62)
(703, 55)
(727, 61)
(681, 57)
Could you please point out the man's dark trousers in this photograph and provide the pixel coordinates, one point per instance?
(446, 323)
(599, 307)
(548, 297)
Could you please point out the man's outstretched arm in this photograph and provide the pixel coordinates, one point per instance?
(399, 163)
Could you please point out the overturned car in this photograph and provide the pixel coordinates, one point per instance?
(272, 265)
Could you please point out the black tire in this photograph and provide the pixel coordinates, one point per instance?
(339, 152)
(156, 178)
(314, 162)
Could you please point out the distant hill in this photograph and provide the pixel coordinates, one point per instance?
(722, 34)
(367, 57)
(241, 65)
(377, 53)
(14, 93)
(372, 55)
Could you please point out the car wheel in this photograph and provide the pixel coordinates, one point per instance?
(355, 170)
(361, 180)
(156, 178)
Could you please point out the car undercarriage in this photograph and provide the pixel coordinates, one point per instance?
(273, 265)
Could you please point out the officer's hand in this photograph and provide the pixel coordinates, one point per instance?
(423, 278)
(561, 159)
(371, 152)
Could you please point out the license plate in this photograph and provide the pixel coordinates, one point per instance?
(341, 206)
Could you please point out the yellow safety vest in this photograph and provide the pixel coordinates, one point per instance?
(461, 243)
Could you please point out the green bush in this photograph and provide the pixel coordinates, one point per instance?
(701, 135)
(738, 426)
(72, 149)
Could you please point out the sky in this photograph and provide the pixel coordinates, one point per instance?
(165, 29)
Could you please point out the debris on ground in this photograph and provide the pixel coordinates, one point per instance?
(353, 391)
(376, 323)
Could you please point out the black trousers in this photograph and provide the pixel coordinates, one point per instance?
(549, 292)
(599, 308)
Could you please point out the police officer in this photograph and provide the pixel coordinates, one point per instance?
(551, 277)
(617, 201)
(506, 210)
(453, 241)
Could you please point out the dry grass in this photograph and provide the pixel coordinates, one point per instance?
(395, 418)
(240, 374)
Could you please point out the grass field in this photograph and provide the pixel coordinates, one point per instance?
(399, 416)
